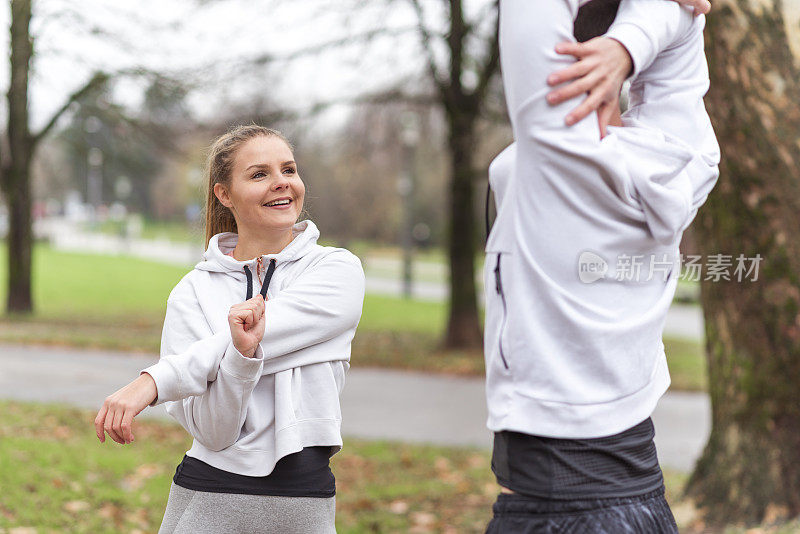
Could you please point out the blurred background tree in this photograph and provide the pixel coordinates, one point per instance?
(750, 470)
(133, 148)
(22, 144)
(456, 74)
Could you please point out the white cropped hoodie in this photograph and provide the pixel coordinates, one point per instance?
(247, 413)
(569, 356)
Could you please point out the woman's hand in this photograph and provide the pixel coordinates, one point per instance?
(602, 66)
(247, 322)
(116, 415)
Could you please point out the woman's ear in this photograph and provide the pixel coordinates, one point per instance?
(221, 192)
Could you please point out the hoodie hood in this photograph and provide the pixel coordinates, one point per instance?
(216, 259)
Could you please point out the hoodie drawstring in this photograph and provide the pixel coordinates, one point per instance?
(264, 286)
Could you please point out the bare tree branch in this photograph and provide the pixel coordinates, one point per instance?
(372, 99)
(97, 80)
(492, 62)
(426, 37)
(455, 40)
(349, 40)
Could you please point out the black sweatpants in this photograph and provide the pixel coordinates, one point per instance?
(646, 514)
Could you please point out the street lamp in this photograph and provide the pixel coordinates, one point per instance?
(94, 161)
(409, 137)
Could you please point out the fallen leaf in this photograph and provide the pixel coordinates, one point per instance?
(111, 511)
(423, 519)
(147, 470)
(139, 517)
(76, 506)
(441, 464)
(398, 507)
(8, 514)
(476, 461)
(62, 432)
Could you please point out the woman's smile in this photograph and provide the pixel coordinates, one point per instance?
(283, 203)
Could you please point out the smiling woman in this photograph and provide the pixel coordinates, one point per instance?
(242, 169)
(258, 151)
(255, 382)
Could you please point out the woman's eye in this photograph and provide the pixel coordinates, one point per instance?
(289, 170)
(259, 174)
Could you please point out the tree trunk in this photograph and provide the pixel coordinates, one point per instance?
(16, 179)
(463, 325)
(750, 469)
(462, 108)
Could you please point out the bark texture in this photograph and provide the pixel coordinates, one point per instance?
(750, 469)
(16, 171)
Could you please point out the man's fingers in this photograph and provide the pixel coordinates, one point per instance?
(579, 87)
(572, 48)
(576, 70)
(604, 115)
(592, 102)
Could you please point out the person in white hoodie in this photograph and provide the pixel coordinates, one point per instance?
(583, 261)
(254, 351)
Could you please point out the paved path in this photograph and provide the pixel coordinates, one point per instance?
(377, 404)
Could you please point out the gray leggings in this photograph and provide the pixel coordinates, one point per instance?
(200, 512)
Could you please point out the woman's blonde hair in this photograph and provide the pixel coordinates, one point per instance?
(219, 166)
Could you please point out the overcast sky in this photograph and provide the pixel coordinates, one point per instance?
(185, 35)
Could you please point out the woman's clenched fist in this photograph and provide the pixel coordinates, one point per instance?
(247, 322)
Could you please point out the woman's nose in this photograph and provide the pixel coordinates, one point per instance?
(280, 184)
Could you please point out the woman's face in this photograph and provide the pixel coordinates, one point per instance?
(265, 191)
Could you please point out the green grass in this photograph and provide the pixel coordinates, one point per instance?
(401, 315)
(95, 287)
(56, 477)
(687, 364)
(118, 303)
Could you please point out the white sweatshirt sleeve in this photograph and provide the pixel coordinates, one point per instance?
(322, 303)
(667, 96)
(646, 28)
(205, 382)
(670, 160)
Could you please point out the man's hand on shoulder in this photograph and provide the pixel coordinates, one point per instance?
(601, 68)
